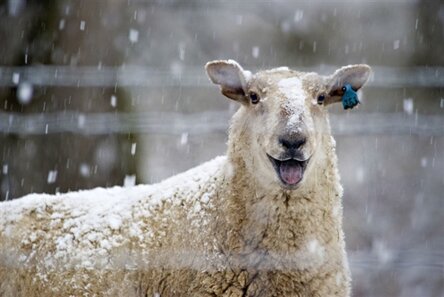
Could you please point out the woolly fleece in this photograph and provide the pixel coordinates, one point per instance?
(215, 230)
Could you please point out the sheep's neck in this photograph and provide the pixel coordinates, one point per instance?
(281, 221)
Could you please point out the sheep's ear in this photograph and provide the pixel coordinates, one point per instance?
(231, 77)
(355, 75)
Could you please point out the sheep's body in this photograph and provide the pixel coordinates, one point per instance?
(229, 227)
(87, 243)
(188, 236)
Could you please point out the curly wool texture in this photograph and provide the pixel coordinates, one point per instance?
(215, 230)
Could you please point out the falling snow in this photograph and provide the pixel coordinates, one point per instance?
(52, 176)
(408, 105)
(184, 138)
(113, 101)
(62, 24)
(81, 120)
(298, 15)
(181, 51)
(15, 78)
(255, 51)
(133, 35)
(84, 170)
(24, 92)
(5, 169)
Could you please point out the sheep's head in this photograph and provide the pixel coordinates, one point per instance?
(283, 117)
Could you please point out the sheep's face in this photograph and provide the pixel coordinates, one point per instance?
(283, 118)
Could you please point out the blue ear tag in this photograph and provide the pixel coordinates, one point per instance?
(350, 97)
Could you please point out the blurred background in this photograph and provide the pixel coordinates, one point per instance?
(113, 92)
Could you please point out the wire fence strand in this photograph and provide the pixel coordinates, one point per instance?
(136, 76)
(174, 123)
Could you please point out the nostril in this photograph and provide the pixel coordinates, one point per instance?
(294, 143)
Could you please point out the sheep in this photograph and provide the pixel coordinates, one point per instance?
(264, 220)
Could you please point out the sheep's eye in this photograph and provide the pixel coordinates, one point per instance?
(254, 98)
(321, 99)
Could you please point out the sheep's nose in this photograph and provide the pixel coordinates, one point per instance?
(292, 143)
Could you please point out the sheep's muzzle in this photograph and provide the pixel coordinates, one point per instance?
(290, 172)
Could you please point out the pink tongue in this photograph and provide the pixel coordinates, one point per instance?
(290, 172)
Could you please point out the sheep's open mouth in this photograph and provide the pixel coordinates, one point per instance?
(290, 171)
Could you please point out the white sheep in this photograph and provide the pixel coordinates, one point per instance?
(266, 220)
